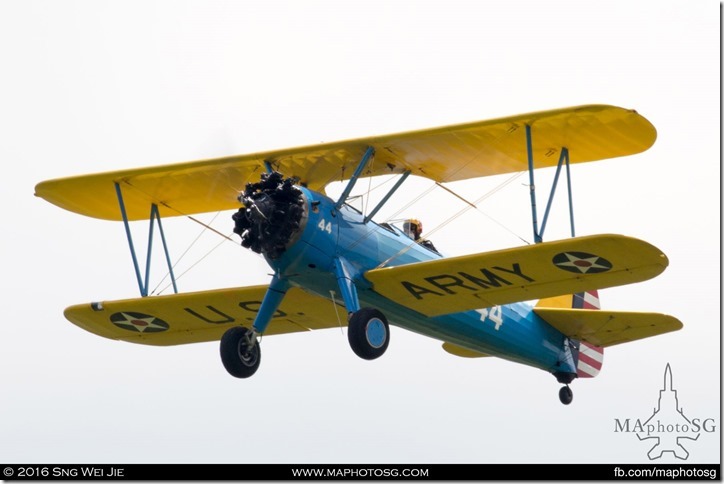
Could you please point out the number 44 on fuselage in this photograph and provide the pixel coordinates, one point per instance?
(335, 265)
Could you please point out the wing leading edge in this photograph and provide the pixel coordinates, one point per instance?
(526, 273)
(444, 154)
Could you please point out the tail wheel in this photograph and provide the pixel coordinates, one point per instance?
(240, 352)
(566, 395)
(368, 333)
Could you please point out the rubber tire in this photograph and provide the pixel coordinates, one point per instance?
(566, 395)
(238, 362)
(357, 333)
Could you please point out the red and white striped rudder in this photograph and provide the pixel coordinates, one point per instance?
(590, 357)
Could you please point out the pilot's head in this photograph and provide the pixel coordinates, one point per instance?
(413, 228)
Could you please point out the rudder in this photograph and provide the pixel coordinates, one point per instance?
(588, 357)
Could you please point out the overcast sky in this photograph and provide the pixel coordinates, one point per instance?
(91, 86)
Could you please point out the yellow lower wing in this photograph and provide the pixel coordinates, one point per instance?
(200, 316)
(537, 271)
(608, 328)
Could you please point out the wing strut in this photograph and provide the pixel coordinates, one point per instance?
(564, 157)
(143, 284)
(357, 173)
(387, 197)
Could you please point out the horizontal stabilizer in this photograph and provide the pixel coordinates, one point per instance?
(200, 316)
(608, 328)
(537, 271)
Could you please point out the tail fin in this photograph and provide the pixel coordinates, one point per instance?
(580, 300)
(588, 357)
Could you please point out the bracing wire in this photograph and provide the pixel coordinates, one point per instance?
(422, 195)
(467, 207)
(336, 311)
(196, 263)
(418, 198)
(370, 188)
(204, 225)
(190, 246)
(367, 198)
(476, 207)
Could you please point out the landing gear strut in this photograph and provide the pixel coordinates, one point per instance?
(240, 352)
(368, 333)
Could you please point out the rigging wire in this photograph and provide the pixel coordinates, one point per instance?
(197, 262)
(458, 214)
(367, 198)
(392, 218)
(476, 207)
(370, 188)
(336, 311)
(193, 242)
(206, 226)
(371, 231)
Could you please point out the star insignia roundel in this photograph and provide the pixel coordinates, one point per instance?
(581, 262)
(139, 322)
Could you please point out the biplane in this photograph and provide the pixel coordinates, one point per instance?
(328, 257)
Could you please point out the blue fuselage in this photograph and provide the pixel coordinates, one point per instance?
(513, 331)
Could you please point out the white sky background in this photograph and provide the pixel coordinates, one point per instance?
(97, 86)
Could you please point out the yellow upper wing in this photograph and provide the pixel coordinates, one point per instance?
(442, 154)
(200, 316)
(537, 271)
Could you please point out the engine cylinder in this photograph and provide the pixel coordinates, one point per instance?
(273, 217)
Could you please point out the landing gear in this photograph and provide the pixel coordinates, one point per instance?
(566, 395)
(368, 333)
(240, 352)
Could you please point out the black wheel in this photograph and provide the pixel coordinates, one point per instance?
(566, 395)
(240, 352)
(368, 333)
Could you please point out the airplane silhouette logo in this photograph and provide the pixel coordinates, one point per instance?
(668, 425)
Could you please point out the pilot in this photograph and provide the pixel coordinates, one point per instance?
(413, 229)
